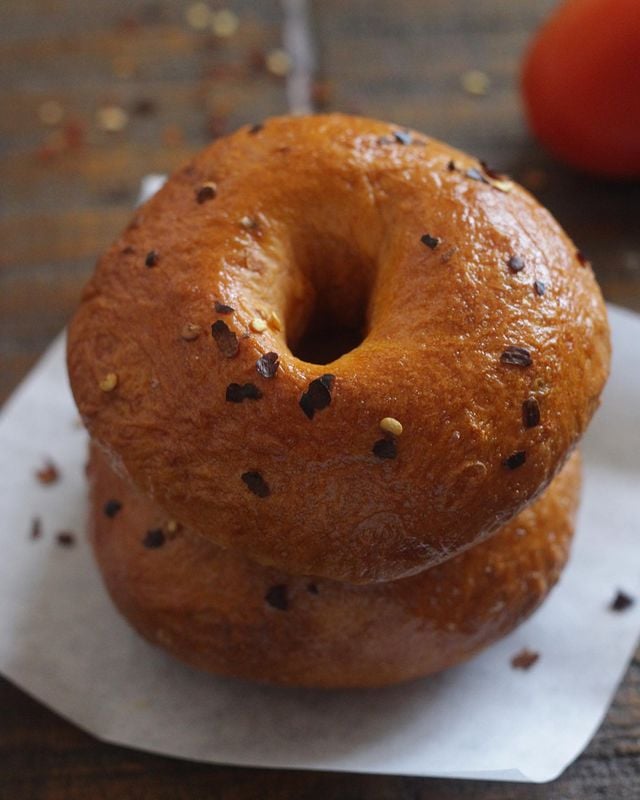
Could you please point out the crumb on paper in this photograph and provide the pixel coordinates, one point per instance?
(48, 473)
(621, 602)
(65, 539)
(525, 659)
(36, 529)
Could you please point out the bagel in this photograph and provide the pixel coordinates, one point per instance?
(222, 613)
(302, 284)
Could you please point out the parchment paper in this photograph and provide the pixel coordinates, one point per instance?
(62, 642)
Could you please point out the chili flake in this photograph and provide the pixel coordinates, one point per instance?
(111, 508)
(206, 192)
(65, 539)
(430, 241)
(151, 259)
(530, 413)
(154, 539)
(518, 356)
(236, 392)
(48, 474)
(540, 287)
(256, 483)
(317, 396)
(515, 263)
(385, 448)
(267, 365)
(515, 460)
(278, 597)
(225, 338)
(621, 602)
(525, 659)
(221, 308)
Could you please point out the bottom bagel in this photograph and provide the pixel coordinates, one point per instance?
(222, 613)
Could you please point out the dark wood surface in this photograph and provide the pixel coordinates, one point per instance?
(67, 189)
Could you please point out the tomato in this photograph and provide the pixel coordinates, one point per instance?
(581, 86)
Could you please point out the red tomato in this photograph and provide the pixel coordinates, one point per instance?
(581, 85)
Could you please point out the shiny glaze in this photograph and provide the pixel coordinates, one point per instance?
(207, 605)
(340, 207)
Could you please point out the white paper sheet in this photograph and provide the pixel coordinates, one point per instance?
(61, 640)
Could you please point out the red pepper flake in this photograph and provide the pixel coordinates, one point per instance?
(206, 192)
(48, 474)
(236, 393)
(540, 287)
(517, 356)
(429, 241)
(255, 128)
(582, 259)
(530, 413)
(402, 137)
(151, 259)
(128, 250)
(256, 483)
(65, 539)
(451, 166)
(515, 460)
(154, 539)
(36, 528)
(525, 659)
(225, 338)
(267, 365)
(385, 448)
(221, 308)
(278, 597)
(111, 508)
(515, 263)
(491, 173)
(317, 396)
(312, 588)
(621, 602)
(476, 175)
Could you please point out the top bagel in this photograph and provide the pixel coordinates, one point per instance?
(297, 283)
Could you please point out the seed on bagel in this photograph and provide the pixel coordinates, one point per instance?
(151, 259)
(391, 425)
(190, 332)
(222, 308)
(109, 382)
(258, 325)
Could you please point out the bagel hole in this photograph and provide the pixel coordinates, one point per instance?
(335, 319)
(326, 339)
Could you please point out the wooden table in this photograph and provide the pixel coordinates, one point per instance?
(94, 96)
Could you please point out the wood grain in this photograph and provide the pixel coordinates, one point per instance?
(62, 201)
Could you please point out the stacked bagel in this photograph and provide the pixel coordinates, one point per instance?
(333, 373)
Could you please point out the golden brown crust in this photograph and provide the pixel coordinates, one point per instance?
(331, 209)
(209, 606)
